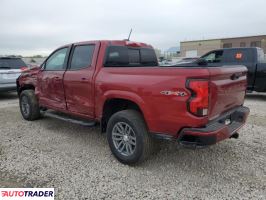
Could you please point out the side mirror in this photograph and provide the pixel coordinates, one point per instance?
(202, 62)
(35, 66)
(42, 66)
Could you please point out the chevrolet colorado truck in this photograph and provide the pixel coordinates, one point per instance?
(253, 58)
(119, 85)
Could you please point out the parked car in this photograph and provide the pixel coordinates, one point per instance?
(10, 69)
(166, 62)
(188, 60)
(253, 58)
(119, 85)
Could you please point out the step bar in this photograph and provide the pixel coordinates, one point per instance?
(68, 118)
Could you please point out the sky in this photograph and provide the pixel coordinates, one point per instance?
(30, 27)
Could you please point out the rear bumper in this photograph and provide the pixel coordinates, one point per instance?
(216, 130)
(8, 87)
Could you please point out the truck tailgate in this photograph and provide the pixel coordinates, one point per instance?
(227, 88)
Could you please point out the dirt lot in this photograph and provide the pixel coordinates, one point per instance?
(76, 161)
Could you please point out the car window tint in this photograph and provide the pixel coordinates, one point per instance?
(134, 56)
(12, 63)
(57, 60)
(4, 63)
(117, 56)
(82, 57)
(123, 56)
(148, 57)
(214, 57)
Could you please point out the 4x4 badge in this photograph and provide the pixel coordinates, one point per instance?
(176, 93)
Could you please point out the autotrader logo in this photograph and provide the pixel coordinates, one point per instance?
(27, 193)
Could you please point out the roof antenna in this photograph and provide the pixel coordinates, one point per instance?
(129, 34)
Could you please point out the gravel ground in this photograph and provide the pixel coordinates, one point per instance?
(77, 162)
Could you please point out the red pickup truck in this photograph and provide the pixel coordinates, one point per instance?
(119, 85)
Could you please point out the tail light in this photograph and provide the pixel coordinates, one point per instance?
(23, 68)
(198, 104)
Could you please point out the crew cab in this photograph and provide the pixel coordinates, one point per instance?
(253, 58)
(119, 85)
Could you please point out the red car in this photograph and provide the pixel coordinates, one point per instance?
(119, 85)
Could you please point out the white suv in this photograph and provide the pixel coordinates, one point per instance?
(10, 70)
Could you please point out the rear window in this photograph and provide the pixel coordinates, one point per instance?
(122, 56)
(11, 63)
(134, 56)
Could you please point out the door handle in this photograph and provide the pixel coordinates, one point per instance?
(235, 76)
(57, 78)
(84, 79)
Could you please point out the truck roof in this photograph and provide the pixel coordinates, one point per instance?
(9, 57)
(238, 48)
(113, 42)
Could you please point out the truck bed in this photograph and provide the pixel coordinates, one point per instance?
(168, 113)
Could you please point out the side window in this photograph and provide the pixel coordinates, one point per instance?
(82, 57)
(57, 60)
(214, 57)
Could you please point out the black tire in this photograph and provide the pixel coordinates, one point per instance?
(144, 144)
(31, 111)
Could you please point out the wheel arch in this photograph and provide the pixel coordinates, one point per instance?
(23, 87)
(115, 103)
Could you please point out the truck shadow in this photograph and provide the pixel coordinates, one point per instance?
(220, 160)
(173, 152)
(8, 95)
(172, 160)
(69, 142)
(261, 97)
(169, 153)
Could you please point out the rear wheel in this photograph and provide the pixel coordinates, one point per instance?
(29, 106)
(128, 137)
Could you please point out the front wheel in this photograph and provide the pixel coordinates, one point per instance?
(128, 137)
(29, 106)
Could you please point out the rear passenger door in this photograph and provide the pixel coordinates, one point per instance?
(78, 79)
